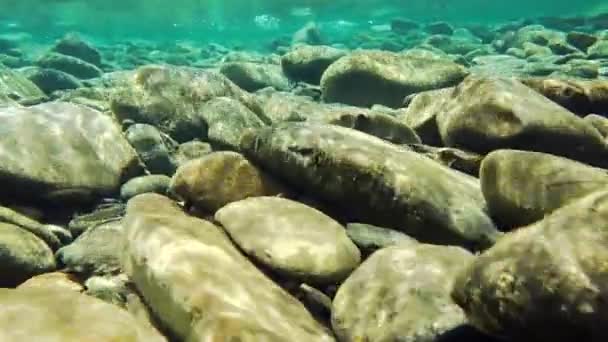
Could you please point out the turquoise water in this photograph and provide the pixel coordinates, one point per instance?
(244, 21)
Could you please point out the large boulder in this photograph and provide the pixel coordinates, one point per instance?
(219, 178)
(15, 86)
(544, 282)
(522, 187)
(191, 275)
(401, 293)
(380, 77)
(376, 182)
(60, 151)
(48, 314)
(486, 114)
(291, 238)
(170, 98)
(307, 63)
(22, 255)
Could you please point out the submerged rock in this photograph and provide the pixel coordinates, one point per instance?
(401, 293)
(255, 76)
(16, 87)
(544, 282)
(71, 65)
(486, 114)
(96, 252)
(189, 273)
(376, 182)
(371, 238)
(73, 45)
(170, 98)
(380, 77)
(140, 185)
(581, 97)
(291, 238)
(22, 255)
(523, 187)
(50, 80)
(220, 178)
(62, 152)
(54, 314)
(227, 119)
(308, 63)
(45, 232)
(151, 148)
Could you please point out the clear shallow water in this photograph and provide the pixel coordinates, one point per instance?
(248, 22)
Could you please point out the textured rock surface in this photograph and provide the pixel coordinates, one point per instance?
(16, 87)
(485, 114)
(522, 187)
(308, 62)
(220, 178)
(56, 151)
(200, 286)
(291, 238)
(48, 314)
(376, 182)
(22, 255)
(170, 99)
(380, 77)
(401, 293)
(545, 282)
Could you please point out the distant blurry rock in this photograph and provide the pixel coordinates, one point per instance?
(96, 252)
(581, 40)
(598, 50)
(254, 76)
(50, 80)
(308, 63)
(170, 98)
(522, 187)
(376, 182)
(183, 266)
(378, 77)
(22, 255)
(439, 28)
(401, 293)
(309, 34)
(402, 26)
(13, 61)
(227, 119)
(220, 178)
(61, 152)
(16, 87)
(140, 185)
(69, 64)
(291, 238)
(191, 150)
(68, 316)
(73, 45)
(151, 148)
(486, 114)
(543, 282)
